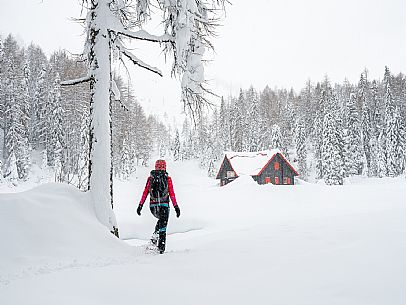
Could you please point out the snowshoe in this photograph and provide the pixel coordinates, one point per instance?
(150, 248)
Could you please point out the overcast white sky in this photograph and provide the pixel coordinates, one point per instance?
(280, 43)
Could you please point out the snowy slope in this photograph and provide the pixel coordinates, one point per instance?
(238, 244)
(52, 227)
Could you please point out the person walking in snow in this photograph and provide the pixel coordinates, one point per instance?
(159, 186)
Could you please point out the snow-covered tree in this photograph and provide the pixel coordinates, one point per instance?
(238, 117)
(381, 165)
(44, 160)
(354, 155)
(55, 126)
(58, 162)
(364, 99)
(37, 86)
(332, 152)
(288, 118)
(321, 96)
(40, 111)
(2, 180)
(11, 171)
(188, 26)
(13, 95)
(126, 167)
(224, 125)
(301, 149)
(254, 120)
(394, 131)
(176, 146)
(367, 135)
(306, 106)
(395, 144)
(332, 146)
(24, 160)
(276, 138)
(83, 159)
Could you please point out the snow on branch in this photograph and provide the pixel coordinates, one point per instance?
(122, 105)
(135, 60)
(115, 91)
(76, 81)
(117, 95)
(144, 35)
(194, 100)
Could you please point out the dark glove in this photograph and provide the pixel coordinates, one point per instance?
(177, 211)
(139, 209)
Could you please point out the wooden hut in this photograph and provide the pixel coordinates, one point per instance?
(264, 167)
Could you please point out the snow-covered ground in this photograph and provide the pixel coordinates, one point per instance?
(238, 244)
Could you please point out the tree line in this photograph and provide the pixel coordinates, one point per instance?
(38, 116)
(330, 131)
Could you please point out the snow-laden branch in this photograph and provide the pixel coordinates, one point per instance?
(115, 91)
(76, 81)
(135, 60)
(122, 105)
(117, 95)
(144, 35)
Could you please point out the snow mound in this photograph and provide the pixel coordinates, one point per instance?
(51, 225)
(241, 181)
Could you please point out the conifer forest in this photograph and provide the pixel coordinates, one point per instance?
(331, 131)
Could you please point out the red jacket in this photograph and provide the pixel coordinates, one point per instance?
(170, 189)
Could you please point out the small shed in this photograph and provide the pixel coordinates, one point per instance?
(269, 166)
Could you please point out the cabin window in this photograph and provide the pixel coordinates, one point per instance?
(230, 174)
(276, 180)
(276, 166)
(286, 180)
(267, 180)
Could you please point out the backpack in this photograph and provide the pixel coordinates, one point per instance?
(158, 189)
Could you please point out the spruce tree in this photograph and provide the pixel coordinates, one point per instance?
(2, 180)
(41, 111)
(391, 131)
(381, 163)
(395, 150)
(354, 154)
(254, 120)
(11, 171)
(331, 152)
(83, 158)
(176, 149)
(16, 147)
(322, 95)
(332, 160)
(238, 118)
(277, 139)
(301, 149)
(224, 119)
(37, 65)
(365, 100)
(55, 128)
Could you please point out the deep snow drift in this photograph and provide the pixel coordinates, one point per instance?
(49, 228)
(238, 244)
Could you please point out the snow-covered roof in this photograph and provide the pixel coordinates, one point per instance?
(250, 163)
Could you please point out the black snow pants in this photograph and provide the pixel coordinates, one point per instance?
(160, 211)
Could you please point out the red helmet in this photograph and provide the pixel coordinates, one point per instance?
(160, 165)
